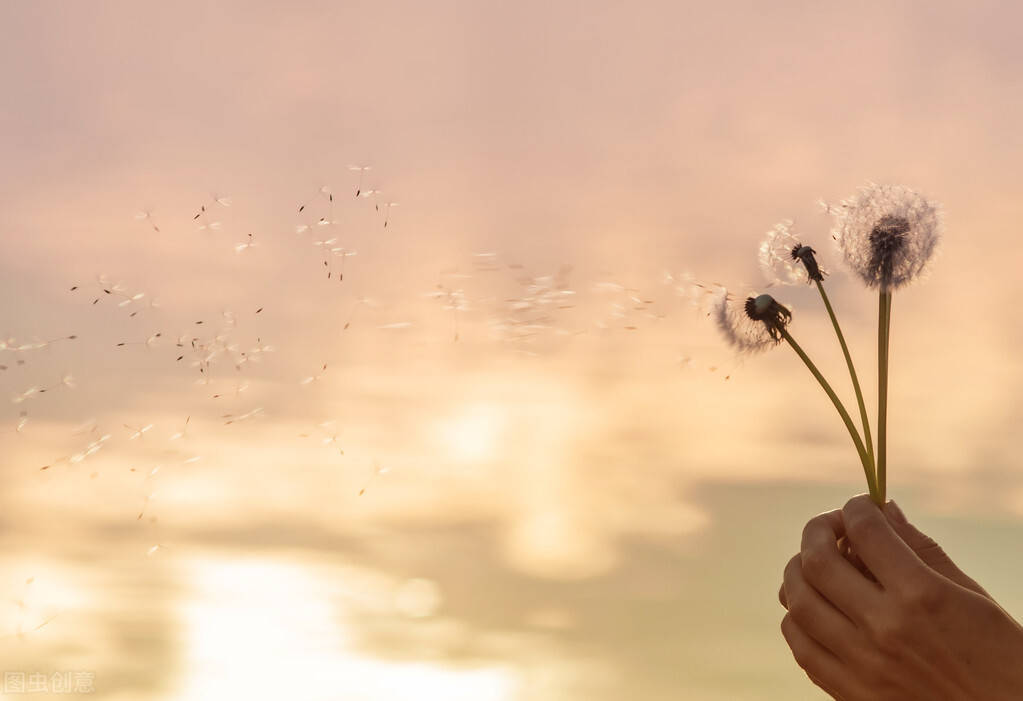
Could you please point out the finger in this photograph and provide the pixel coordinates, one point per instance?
(927, 550)
(887, 555)
(830, 573)
(847, 554)
(823, 668)
(817, 617)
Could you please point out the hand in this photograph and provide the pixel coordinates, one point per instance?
(877, 611)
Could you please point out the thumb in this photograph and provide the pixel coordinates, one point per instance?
(927, 550)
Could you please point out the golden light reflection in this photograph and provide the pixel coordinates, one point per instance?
(475, 433)
(270, 629)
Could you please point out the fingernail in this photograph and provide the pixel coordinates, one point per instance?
(892, 508)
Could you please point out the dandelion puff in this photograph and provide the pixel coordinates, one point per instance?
(785, 259)
(750, 325)
(887, 234)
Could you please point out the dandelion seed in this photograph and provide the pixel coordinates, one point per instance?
(90, 449)
(151, 341)
(887, 234)
(330, 429)
(146, 215)
(182, 432)
(27, 394)
(362, 172)
(231, 418)
(133, 298)
(387, 212)
(145, 505)
(245, 245)
(377, 471)
(344, 254)
(362, 301)
(138, 432)
(313, 378)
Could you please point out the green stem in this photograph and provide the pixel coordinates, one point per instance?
(853, 433)
(884, 323)
(852, 373)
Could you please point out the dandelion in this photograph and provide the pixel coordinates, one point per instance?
(888, 235)
(786, 259)
(758, 323)
(743, 331)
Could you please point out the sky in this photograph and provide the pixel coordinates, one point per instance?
(457, 425)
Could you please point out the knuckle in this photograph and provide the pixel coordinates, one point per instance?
(888, 634)
(786, 628)
(882, 681)
(814, 563)
(792, 567)
(857, 503)
(813, 525)
(922, 596)
(888, 639)
(862, 528)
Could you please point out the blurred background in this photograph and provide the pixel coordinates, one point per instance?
(389, 378)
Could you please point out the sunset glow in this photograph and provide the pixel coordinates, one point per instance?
(363, 350)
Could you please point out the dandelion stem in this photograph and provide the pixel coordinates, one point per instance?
(852, 373)
(884, 323)
(853, 433)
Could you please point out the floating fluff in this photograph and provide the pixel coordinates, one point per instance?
(785, 259)
(887, 234)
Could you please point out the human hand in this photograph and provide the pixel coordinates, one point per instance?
(890, 616)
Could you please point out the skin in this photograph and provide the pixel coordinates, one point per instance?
(875, 610)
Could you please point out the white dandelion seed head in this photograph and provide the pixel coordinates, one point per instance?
(743, 333)
(777, 260)
(887, 234)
